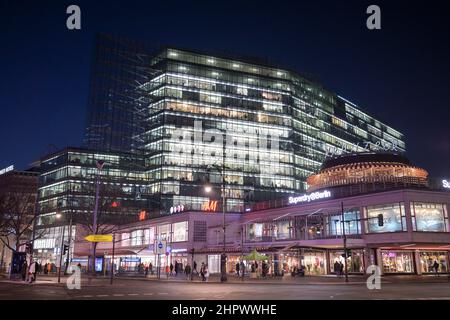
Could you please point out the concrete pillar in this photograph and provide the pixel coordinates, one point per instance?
(417, 262)
(379, 260)
(369, 258)
(409, 223)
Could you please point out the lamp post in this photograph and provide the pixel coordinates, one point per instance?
(70, 237)
(223, 256)
(58, 216)
(345, 241)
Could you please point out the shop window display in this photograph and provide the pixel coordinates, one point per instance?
(397, 262)
(427, 260)
(354, 262)
(314, 263)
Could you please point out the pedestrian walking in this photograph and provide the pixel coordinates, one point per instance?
(32, 272)
(24, 271)
(341, 269)
(171, 269)
(168, 270)
(202, 271)
(436, 267)
(194, 267)
(337, 268)
(206, 273)
(150, 267)
(187, 271)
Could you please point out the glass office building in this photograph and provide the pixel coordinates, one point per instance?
(195, 115)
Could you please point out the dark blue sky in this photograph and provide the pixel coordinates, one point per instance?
(401, 74)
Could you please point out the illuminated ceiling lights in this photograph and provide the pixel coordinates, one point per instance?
(173, 54)
(210, 61)
(182, 68)
(235, 65)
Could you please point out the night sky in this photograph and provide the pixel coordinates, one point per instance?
(400, 74)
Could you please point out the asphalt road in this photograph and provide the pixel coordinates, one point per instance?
(154, 290)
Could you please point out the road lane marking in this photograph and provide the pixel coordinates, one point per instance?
(102, 295)
(161, 293)
(148, 294)
(132, 294)
(118, 294)
(87, 296)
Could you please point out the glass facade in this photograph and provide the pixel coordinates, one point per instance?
(431, 217)
(268, 127)
(67, 186)
(429, 258)
(393, 216)
(355, 261)
(397, 261)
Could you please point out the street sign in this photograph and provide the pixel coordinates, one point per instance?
(161, 246)
(99, 238)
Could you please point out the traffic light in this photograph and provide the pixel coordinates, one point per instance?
(380, 220)
(65, 249)
(115, 204)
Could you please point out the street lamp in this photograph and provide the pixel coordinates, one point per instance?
(345, 240)
(58, 216)
(223, 256)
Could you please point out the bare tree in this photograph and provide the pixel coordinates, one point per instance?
(17, 217)
(111, 213)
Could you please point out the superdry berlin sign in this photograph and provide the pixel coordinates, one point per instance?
(446, 184)
(310, 197)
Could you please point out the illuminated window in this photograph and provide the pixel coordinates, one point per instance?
(429, 217)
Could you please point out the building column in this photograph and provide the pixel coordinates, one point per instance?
(379, 260)
(417, 262)
(369, 258)
(409, 224)
(328, 261)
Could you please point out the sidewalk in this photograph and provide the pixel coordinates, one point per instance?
(233, 279)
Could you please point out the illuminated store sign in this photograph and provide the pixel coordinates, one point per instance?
(310, 197)
(446, 184)
(10, 168)
(210, 206)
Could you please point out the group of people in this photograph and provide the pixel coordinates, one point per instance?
(175, 269)
(338, 268)
(296, 271)
(28, 272)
